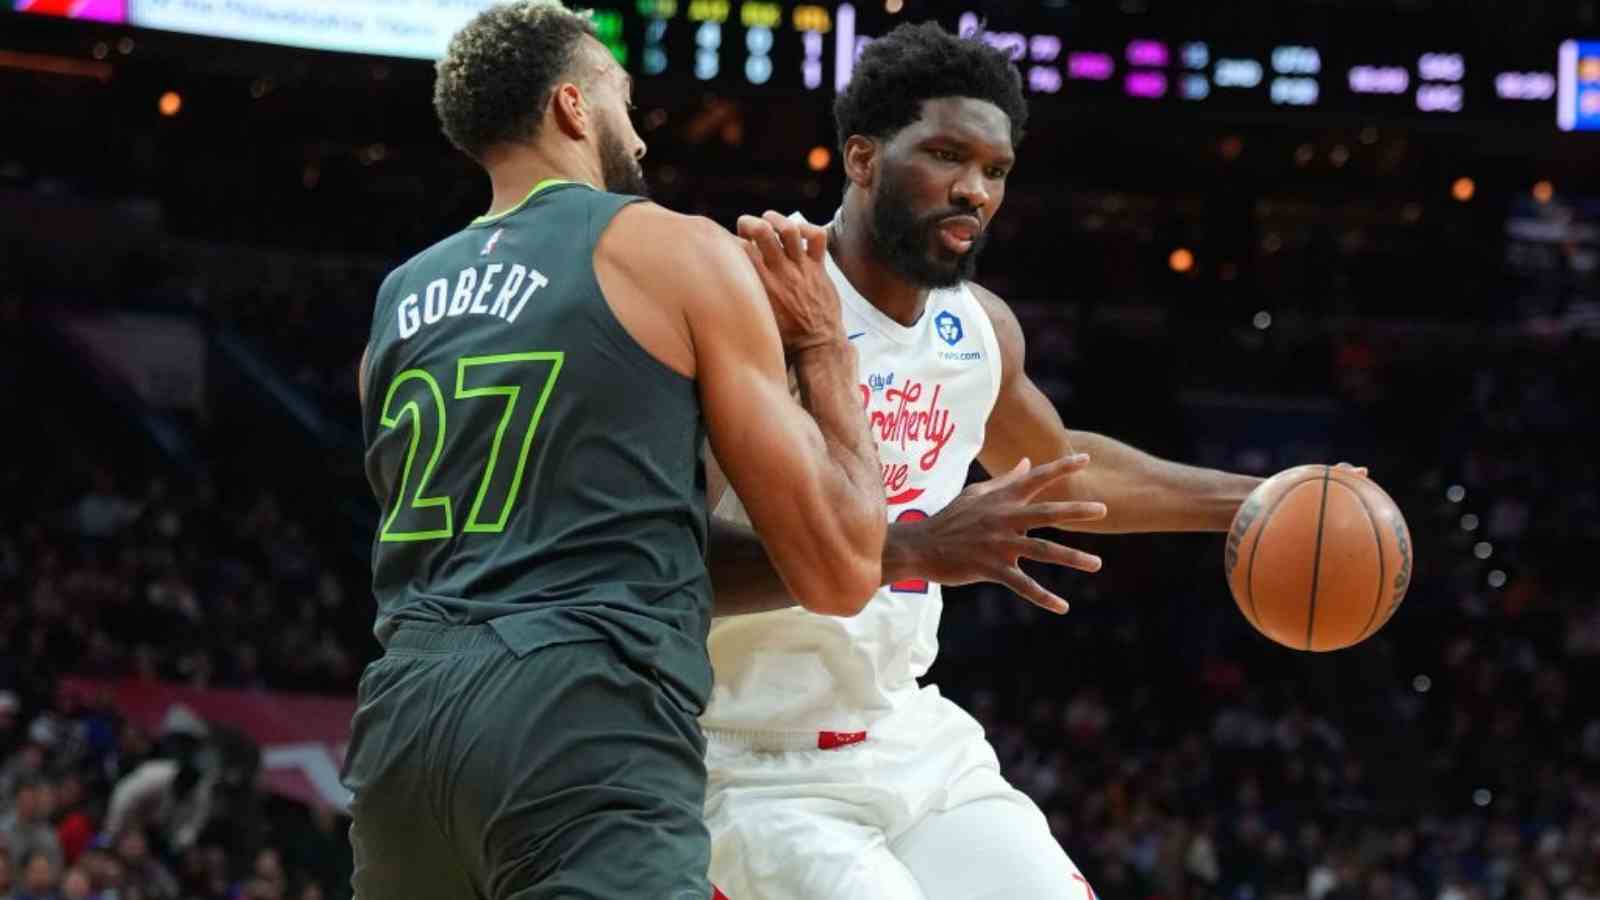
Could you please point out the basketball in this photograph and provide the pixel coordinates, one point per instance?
(1318, 558)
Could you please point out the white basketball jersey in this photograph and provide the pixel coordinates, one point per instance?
(928, 390)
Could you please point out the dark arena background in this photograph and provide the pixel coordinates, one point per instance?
(1247, 235)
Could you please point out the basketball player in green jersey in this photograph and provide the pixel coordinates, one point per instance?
(535, 392)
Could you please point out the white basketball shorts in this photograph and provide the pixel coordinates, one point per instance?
(914, 810)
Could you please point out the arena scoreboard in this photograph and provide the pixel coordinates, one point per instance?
(771, 47)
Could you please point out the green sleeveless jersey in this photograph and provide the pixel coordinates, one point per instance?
(536, 468)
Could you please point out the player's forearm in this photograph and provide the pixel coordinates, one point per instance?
(743, 579)
(828, 388)
(1144, 494)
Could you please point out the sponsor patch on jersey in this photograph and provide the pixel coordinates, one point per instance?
(949, 326)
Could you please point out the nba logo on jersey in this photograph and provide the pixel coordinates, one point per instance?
(488, 248)
(949, 327)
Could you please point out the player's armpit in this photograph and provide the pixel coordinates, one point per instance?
(817, 506)
(1024, 423)
(716, 481)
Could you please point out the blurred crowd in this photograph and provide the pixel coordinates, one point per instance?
(122, 568)
(1455, 756)
(95, 809)
(1179, 756)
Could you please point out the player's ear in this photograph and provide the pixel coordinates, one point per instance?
(570, 109)
(861, 160)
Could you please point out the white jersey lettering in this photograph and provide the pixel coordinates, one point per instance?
(928, 390)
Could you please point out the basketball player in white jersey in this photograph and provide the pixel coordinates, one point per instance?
(832, 773)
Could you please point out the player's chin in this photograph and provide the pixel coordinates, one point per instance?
(946, 263)
(940, 257)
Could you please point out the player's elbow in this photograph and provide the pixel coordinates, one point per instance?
(844, 587)
(846, 580)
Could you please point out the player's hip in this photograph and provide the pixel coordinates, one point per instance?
(926, 754)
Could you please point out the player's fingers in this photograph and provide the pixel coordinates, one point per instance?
(1058, 514)
(1359, 471)
(1032, 591)
(1051, 472)
(756, 259)
(816, 238)
(794, 245)
(1000, 483)
(747, 226)
(760, 232)
(1041, 550)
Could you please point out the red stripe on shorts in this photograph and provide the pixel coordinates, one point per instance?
(717, 894)
(833, 740)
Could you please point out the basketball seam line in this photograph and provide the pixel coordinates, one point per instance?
(1250, 572)
(1382, 580)
(1316, 561)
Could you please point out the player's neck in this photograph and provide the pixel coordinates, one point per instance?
(513, 176)
(883, 287)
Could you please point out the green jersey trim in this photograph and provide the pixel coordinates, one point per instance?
(547, 183)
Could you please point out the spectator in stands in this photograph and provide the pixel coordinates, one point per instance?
(144, 871)
(5, 872)
(168, 795)
(107, 876)
(38, 878)
(75, 826)
(26, 828)
(75, 885)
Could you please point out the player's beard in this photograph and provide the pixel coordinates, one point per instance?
(909, 245)
(621, 169)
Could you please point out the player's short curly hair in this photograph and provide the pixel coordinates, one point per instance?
(921, 62)
(492, 85)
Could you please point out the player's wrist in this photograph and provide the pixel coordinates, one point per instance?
(903, 552)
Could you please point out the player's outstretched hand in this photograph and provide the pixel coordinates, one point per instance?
(983, 533)
(788, 257)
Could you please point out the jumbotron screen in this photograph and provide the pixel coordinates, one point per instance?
(787, 47)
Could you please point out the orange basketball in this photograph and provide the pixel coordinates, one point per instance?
(1318, 558)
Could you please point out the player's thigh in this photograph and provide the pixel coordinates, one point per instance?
(398, 851)
(802, 849)
(575, 775)
(396, 860)
(997, 846)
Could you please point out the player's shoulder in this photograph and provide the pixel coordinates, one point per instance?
(1007, 330)
(392, 282)
(1013, 348)
(677, 253)
(660, 230)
